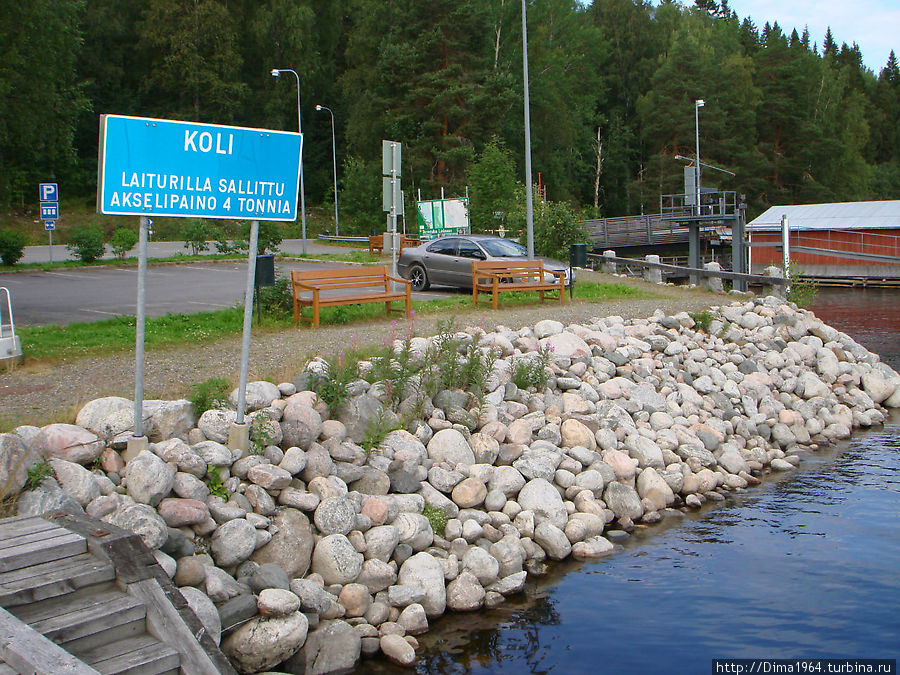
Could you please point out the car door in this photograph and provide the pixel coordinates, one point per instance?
(467, 252)
(440, 259)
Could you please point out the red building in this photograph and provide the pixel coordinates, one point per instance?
(848, 240)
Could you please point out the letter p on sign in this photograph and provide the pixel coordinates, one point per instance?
(49, 192)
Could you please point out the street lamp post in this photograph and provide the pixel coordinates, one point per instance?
(699, 103)
(337, 227)
(275, 73)
(529, 204)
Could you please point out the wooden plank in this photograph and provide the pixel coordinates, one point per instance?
(116, 648)
(28, 525)
(47, 580)
(341, 272)
(73, 602)
(63, 546)
(31, 537)
(150, 659)
(27, 651)
(166, 624)
(89, 625)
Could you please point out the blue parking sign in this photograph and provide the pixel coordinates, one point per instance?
(49, 192)
(49, 210)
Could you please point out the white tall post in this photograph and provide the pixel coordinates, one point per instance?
(275, 73)
(699, 103)
(239, 434)
(337, 227)
(529, 199)
(785, 246)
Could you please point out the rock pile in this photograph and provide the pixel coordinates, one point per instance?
(315, 551)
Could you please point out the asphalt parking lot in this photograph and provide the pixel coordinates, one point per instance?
(69, 295)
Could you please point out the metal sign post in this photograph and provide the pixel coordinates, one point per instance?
(239, 434)
(49, 198)
(138, 442)
(392, 197)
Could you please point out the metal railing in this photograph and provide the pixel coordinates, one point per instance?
(631, 263)
(9, 313)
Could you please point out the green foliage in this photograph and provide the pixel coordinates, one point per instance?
(12, 246)
(87, 243)
(555, 227)
(196, 235)
(210, 394)
(38, 473)
(215, 484)
(261, 434)
(531, 372)
(436, 517)
(492, 186)
(702, 320)
(333, 385)
(122, 241)
(361, 196)
(802, 292)
(379, 427)
(277, 300)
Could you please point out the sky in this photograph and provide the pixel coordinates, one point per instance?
(873, 24)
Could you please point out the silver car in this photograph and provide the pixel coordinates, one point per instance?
(448, 261)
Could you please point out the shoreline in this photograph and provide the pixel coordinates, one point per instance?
(630, 418)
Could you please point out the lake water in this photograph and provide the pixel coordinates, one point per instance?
(805, 565)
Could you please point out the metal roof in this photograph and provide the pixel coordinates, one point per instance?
(838, 216)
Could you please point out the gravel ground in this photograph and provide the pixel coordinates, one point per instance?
(43, 393)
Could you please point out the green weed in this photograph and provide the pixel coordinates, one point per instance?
(215, 484)
(437, 517)
(210, 394)
(37, 474)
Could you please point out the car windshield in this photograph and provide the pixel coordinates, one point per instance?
(503, 248)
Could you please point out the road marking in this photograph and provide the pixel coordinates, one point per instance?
(99, 311)
(71, 276)
(208, 304)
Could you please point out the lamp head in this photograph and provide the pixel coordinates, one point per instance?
(700, 103)
(318, 107)
(275, 72)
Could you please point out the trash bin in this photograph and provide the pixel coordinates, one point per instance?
(265, 271)
(578, 255)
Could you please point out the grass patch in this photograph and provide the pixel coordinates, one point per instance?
(349, 256)
(117, 334)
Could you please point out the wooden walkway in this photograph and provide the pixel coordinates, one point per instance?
(66, 607)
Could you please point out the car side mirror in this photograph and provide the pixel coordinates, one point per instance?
(479, 256)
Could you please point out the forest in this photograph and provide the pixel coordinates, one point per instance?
(796, 118)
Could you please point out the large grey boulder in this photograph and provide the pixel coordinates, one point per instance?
(233, 542)
(148, 478)
(291, 546)
(539, 495)
(76, 481)
(357, 414)
(47, 497)
(15, 460)
(215, 424)
(334, 647)
(425, 571)
(336, 560)
(449, 445)
(264, 642)
(143, 520)
(623, 501)
(259, 394)
(69, 442)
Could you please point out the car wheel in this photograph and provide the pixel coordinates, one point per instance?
(418, 279)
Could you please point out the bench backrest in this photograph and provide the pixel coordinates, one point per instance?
(513, 267)
(345, 277)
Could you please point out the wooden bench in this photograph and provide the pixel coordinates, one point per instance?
(494, 277)
(333, 284)
(376, 243)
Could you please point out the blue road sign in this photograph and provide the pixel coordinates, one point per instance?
(184, 169)
(50, 225)
(49, 210)
(49, 192)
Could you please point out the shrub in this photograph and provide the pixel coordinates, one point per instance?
(277, 300)
(532, 372)
(38, 473)
(12, 246)
(196, 235)
(379, 427)
(213, 393)
(701, 320)
(87, 243)
(802, 292)
(215, 484)
(123, 240)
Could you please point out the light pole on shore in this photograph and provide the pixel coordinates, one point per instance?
(699, 103)
(529, 203)
(337, 227)
(275, 73)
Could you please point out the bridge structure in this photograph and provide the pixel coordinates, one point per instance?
(680, 221)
